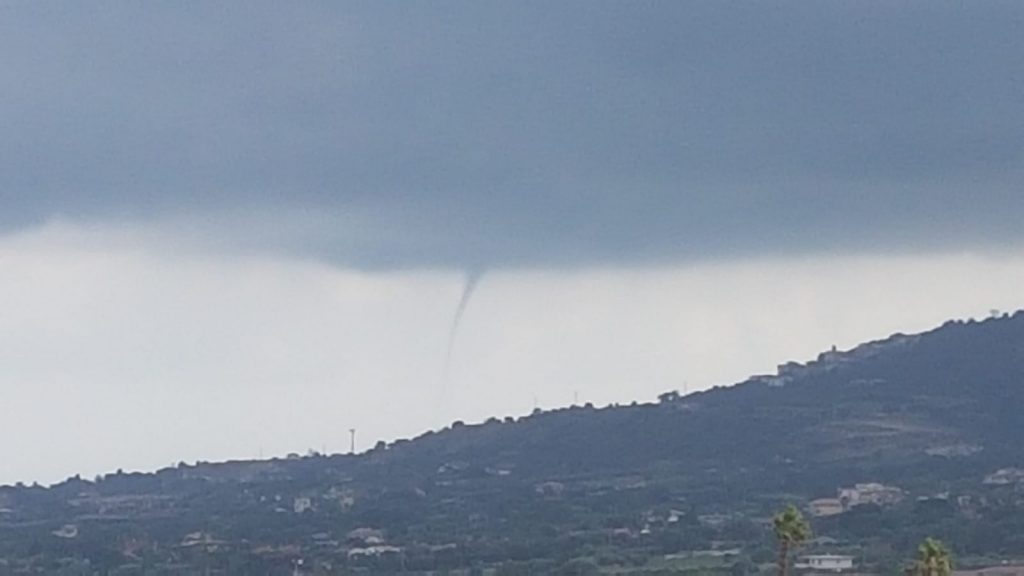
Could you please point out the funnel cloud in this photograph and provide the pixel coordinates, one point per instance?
(472, 281)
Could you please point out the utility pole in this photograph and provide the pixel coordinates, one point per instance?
(352, 435)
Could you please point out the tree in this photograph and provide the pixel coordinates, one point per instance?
(791, 530)
(933, 559)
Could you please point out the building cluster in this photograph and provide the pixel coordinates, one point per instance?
(1005, 477)
(858, 495)
(831, 360)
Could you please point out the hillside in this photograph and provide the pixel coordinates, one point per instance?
(932, 417)
(884, 407)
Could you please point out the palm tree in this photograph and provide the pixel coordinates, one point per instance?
(933, 559)
(791, 530)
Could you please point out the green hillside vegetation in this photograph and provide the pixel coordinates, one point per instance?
(688, 485)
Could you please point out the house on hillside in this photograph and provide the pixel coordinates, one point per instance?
(66, 531)
(366, 536)
(825, 507)
(374, 551)
(770, 380)
(1005, 476)
(825, 563)
(860, 494)
(870, 493)
(302, 504)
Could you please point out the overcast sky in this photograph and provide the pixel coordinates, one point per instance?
(232, 228)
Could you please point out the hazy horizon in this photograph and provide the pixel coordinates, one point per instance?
(156, 357)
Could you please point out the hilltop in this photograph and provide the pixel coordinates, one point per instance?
(928, 425)
(883, 408)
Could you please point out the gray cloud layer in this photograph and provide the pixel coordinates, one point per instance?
(487, 134)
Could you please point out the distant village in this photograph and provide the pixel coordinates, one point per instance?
(321, 548)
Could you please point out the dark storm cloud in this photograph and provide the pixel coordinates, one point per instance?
(482, 133)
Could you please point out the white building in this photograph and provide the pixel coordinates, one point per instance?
(825, 562)
(301, 504)
(825, 507)
(1005, 476)
(870, 493)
